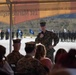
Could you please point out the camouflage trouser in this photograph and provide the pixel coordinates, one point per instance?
(50, 54)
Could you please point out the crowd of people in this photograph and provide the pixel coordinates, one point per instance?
(39, 58)
(35, 62)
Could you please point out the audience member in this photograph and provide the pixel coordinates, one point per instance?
(15, 55)
(4, 66)
(41, 56)
(28, 64)
(60, 59)
(71, 59)
(68, 60)
(59, 52)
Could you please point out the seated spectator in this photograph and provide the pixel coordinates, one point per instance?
(14, 56)
(60, 58)
(4, 66)
(41, 56)
(59, 52)
(71, 59)
(28, 64)
(68, 60)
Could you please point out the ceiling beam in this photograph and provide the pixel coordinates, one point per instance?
(47, 1)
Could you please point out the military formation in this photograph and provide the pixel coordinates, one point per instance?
(6, 34)
(69, 36)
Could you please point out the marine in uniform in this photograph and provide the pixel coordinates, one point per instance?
(7, 35)
(15, 55)
(17, 34)
(13, 34)
(28, 64)
(47, 38)
(2, 35)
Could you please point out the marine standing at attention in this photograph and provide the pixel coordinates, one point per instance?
(47, 38)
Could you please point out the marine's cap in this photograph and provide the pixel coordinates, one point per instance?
(16, 40)
(30, 44)
(42, 23)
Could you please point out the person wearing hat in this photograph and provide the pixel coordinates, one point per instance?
(28, 65)
(4, 66)
(49, 39)
(15, 55)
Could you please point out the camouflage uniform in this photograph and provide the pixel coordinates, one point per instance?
(48, 39)
(30, 66)
(13, 58)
